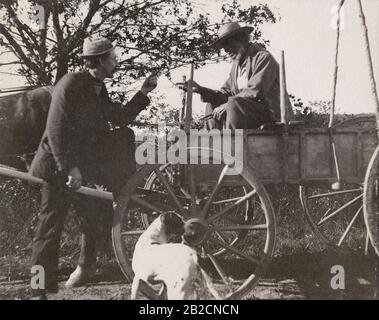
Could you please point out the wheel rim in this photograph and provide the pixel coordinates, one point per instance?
(252, 260)
(371, 200)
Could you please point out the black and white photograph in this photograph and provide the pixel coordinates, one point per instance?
(198, 150)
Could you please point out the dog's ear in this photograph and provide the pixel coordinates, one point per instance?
(173, 223)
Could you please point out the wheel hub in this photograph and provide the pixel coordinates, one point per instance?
(195, 231)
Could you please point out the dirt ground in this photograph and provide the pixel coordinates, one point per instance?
(299, 276)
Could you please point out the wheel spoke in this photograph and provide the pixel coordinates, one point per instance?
(225, 201)
(192, 189)
(145, 204)
(326, 213)
(334, 193)
(340, 209)
(132, 233)
(170, 191)
(149, 192)
(186, 194)
(349, 226)
(170, 174)
(228, 208)
(258, 227)
(220, 271)
(234, 250)
(367, 243)
(214, 192)
(222, 238)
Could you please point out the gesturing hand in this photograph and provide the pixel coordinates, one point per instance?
(195, 86)
(149, 84)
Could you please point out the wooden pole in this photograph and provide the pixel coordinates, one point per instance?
(189, 103)
(283, 91)
(369, 59)
(18, 89)
(27, 177)
(333, 107)
(183, 109)
(284, 116)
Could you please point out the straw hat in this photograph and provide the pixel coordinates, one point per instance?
(228, 31)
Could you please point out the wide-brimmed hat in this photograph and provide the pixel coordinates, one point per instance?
(228, 31)
(95, 46)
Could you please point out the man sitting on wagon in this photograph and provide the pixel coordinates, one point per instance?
(250, 96)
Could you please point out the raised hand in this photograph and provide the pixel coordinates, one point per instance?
(195, 86)
(149, 84)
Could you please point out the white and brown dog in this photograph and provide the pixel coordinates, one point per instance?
(156, 260)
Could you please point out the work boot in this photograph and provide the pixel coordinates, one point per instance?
(78, 278)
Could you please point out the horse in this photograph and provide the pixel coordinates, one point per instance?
(22, 123)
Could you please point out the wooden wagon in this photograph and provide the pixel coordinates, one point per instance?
(231, 209)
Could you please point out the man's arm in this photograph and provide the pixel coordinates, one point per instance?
(216, 97)
(127, 114)
(266, 71)
(57, 125)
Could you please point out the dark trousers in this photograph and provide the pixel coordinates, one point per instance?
(95, 222)
(115, 167)
(241, 113)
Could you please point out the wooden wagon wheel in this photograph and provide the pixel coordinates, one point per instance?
(336, 216)
(242, 212)
(371, 200)
(341, 223)
(239, 269)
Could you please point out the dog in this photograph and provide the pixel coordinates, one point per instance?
(176, 265)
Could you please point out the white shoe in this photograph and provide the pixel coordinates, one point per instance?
(78, 278)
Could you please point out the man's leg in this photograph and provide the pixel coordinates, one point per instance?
(95, 222)
(243, 113)
(45, 251)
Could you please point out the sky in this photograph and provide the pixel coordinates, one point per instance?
(305, 32)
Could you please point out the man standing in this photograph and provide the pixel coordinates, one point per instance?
(85, 141)
(251, 95)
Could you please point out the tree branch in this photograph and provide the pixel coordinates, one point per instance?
(21, 54)
(77, 36)
(21, 27)
(57, 27)
(9, 63)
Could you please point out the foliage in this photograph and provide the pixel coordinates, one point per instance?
(152, 35)
(314, 115)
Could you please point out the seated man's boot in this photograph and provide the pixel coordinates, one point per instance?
(78, 278)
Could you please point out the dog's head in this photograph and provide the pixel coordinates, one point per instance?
(173, 224)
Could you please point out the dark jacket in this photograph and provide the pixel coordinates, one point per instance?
(263, 82)
(79, 127)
